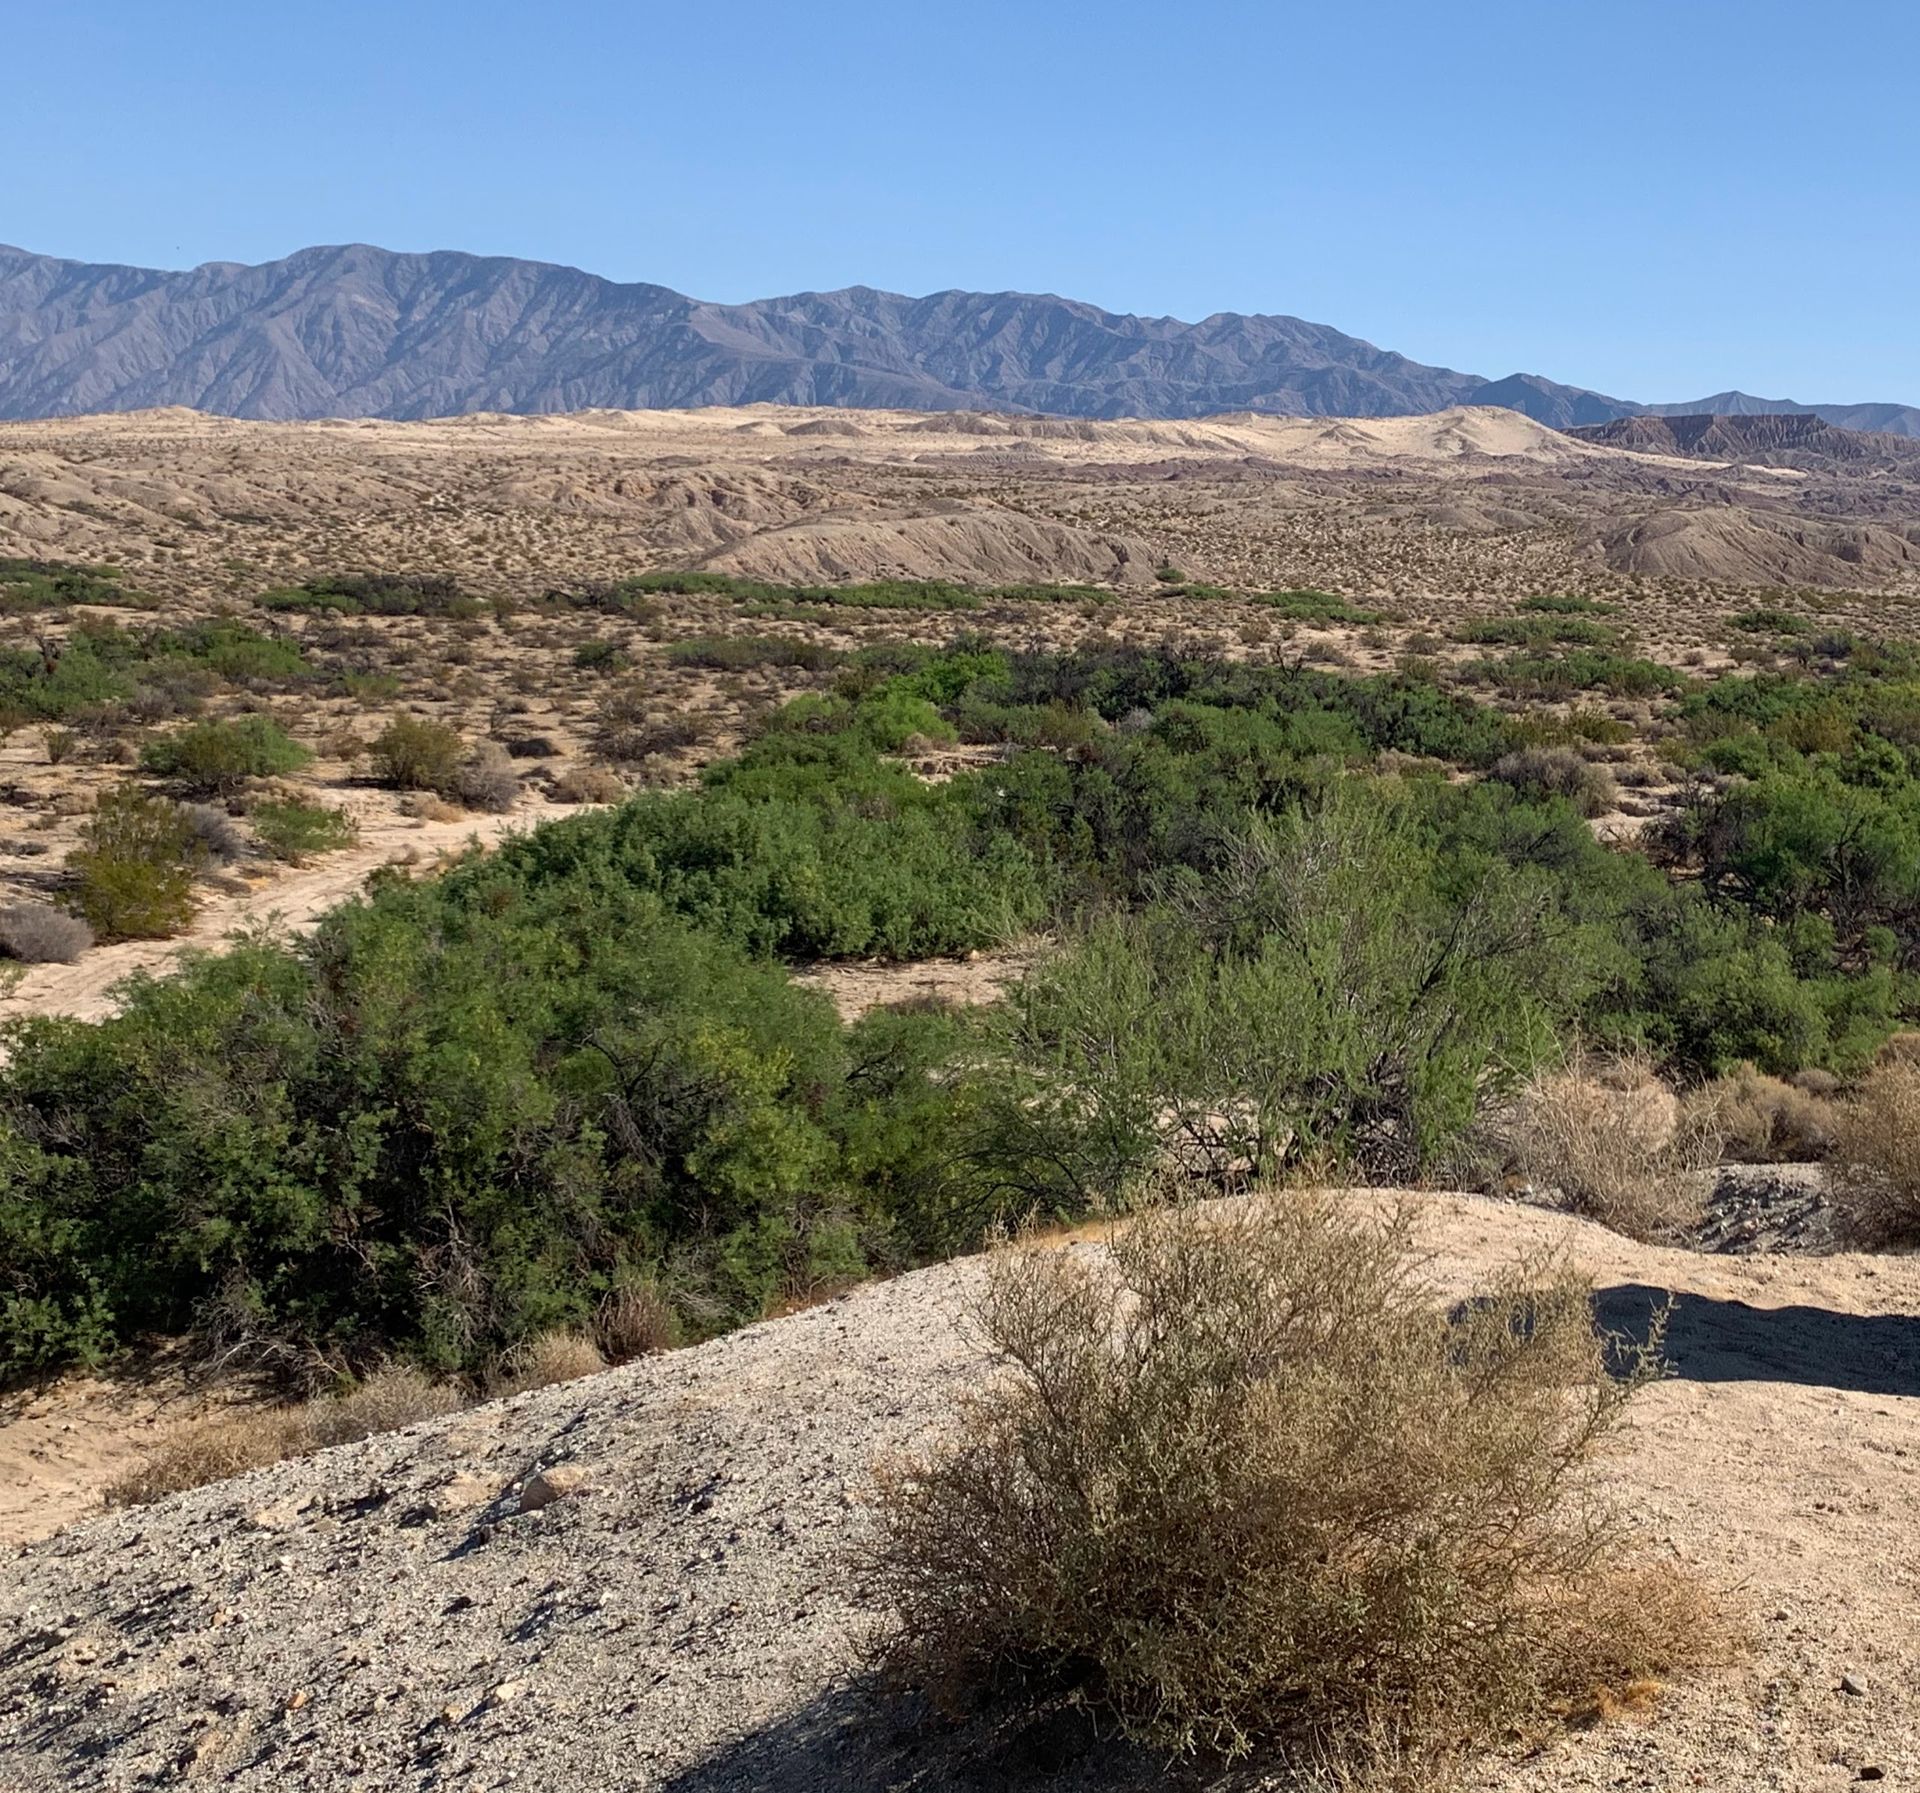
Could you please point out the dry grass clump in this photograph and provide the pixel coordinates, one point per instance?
(589, 784)
(1762, 1120)
(39, 934)
(1875, 1184)
(636, 1320)
(1245, 1484)
(1616, 1144)
(540, 1362)
(1559, 772)
(487, 780)
(384, 1400)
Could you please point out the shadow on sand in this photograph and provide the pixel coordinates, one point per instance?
(858, 1738)
(1712, 1340)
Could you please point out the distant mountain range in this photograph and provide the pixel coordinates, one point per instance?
(1772, 438)
(362, 332)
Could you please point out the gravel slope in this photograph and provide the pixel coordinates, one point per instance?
(405, 1614)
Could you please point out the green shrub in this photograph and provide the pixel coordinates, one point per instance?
(747, 653)
(133, 871)
(378, 594)
(413, 753)
(28, 585)
(296, 831)
(1318, 999)
(217, 758)
(1316, 607)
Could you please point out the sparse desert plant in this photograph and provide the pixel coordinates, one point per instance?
(1616, 1144)
(1765, 1120)
(214, 1450)
(588, 784)
(385, 1399)
(548, 1358)
(61, 744)
(230, 1444)
(217, 758)
(635, 1320)
(413, 753)
(214, 834)
(1558, 772)
(39, 934)
(1243, 1482)
(295, 831)
(133, 871)
(486, 779)
(1875, 1183)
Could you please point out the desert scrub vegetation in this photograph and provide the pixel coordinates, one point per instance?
(99, 668)
(216, 759)
(468, 1110)
(414, 753)
(1876, 1163)
(131, 877)
(378, 594)
(1244, 1483)
(29, 585)
(39, 934)
(1558, 772)
(1614, 1143)
(295, 831)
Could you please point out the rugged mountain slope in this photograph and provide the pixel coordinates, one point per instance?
(1791, 439)
(356, 331)
(1895, 420)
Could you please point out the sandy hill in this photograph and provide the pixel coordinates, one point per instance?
(1471, 499)
(416, 1611)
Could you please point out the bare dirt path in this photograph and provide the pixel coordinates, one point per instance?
(685, 1617)
(293, 898)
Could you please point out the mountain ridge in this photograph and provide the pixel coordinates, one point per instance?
(353, 330)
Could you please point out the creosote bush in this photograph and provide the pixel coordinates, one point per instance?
(1243, 1483)
(1616, 1144)
(1875, 1183)
(295, 831)
(133, 871)
(217, 758)
(415, 754)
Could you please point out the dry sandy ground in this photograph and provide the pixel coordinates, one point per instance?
(293, 898)
(397, 1615)
(1470, 506)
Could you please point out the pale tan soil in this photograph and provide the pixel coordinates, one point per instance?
(1468, 507)
(859, 985)
(687, 1617)
(63, 1441)
(285, 897)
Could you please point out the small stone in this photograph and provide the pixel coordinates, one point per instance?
(1855, 1684)
(460, 1494)
(296, 1700)
(1872, 1772)
(561, 1482)
(506, 1693)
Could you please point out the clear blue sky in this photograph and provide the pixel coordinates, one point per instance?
(1657, 200)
